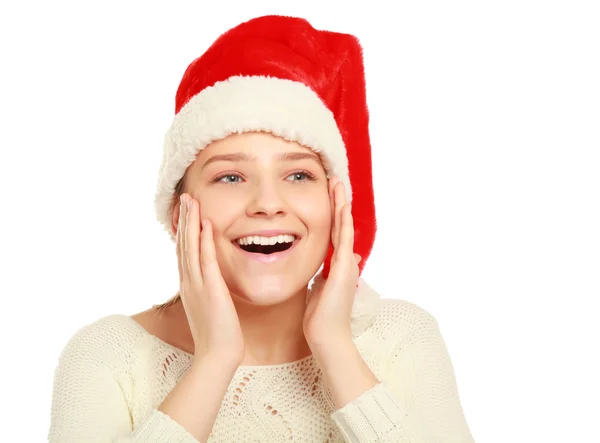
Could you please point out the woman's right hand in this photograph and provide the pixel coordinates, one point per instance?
(210, 311)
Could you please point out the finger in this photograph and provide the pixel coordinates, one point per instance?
(211, 273)
(346, 246)
(358, 258)
(183, 230)
(332, 182)
(178, 245)
(340, 200)
(330, 188)
(192, 239)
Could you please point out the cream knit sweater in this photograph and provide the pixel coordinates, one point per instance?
(113, 375)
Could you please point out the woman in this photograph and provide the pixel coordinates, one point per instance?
(268, 148)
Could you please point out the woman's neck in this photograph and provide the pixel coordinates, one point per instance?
(272, 334)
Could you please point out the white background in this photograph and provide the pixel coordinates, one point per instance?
(485, 124)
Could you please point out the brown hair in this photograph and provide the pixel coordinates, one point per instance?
(176, 194)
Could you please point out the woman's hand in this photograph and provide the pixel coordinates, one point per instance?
(210, 311)
(328, 312)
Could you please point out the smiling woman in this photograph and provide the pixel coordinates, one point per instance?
(265, 178)
(256, 186)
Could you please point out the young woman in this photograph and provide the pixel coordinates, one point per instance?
(265, 178)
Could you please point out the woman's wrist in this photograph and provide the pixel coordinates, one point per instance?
(219, 363)
(195, 401)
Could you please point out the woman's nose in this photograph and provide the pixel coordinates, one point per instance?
(266, 201)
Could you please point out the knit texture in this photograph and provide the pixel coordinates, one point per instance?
(113, 375)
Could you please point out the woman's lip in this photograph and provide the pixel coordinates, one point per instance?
(266, 258)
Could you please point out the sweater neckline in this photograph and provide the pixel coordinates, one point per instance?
(244, 368)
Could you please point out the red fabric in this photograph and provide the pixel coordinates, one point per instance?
(330, 63)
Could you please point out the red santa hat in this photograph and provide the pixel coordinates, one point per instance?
(280, 75)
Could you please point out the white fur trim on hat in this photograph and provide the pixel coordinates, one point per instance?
(285, 108)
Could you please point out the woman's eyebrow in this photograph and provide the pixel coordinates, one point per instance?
(299, 156)
(235, 157)
(242, 156)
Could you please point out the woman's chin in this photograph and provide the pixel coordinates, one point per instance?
(264, 291)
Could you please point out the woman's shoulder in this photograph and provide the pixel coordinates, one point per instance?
(397, 308)
(109, 339)
(110, 327)
(386, 317)
(399, 318)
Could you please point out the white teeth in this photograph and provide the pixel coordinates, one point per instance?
(258, 240)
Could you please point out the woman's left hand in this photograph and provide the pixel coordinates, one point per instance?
(328, 312)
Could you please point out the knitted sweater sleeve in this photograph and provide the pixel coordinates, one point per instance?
(88, 402)
(416, 402)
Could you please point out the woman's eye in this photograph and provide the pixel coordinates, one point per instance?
(299, 176)
(229, 178)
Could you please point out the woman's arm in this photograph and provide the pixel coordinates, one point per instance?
(195, 401)
(89, 405)
(418, 399)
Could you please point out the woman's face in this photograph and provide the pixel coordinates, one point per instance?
(269, 204)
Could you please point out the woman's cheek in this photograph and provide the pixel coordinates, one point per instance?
(316, 210)
(221, 209)
(208, 200)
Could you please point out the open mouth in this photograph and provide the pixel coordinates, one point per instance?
(266, 245)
